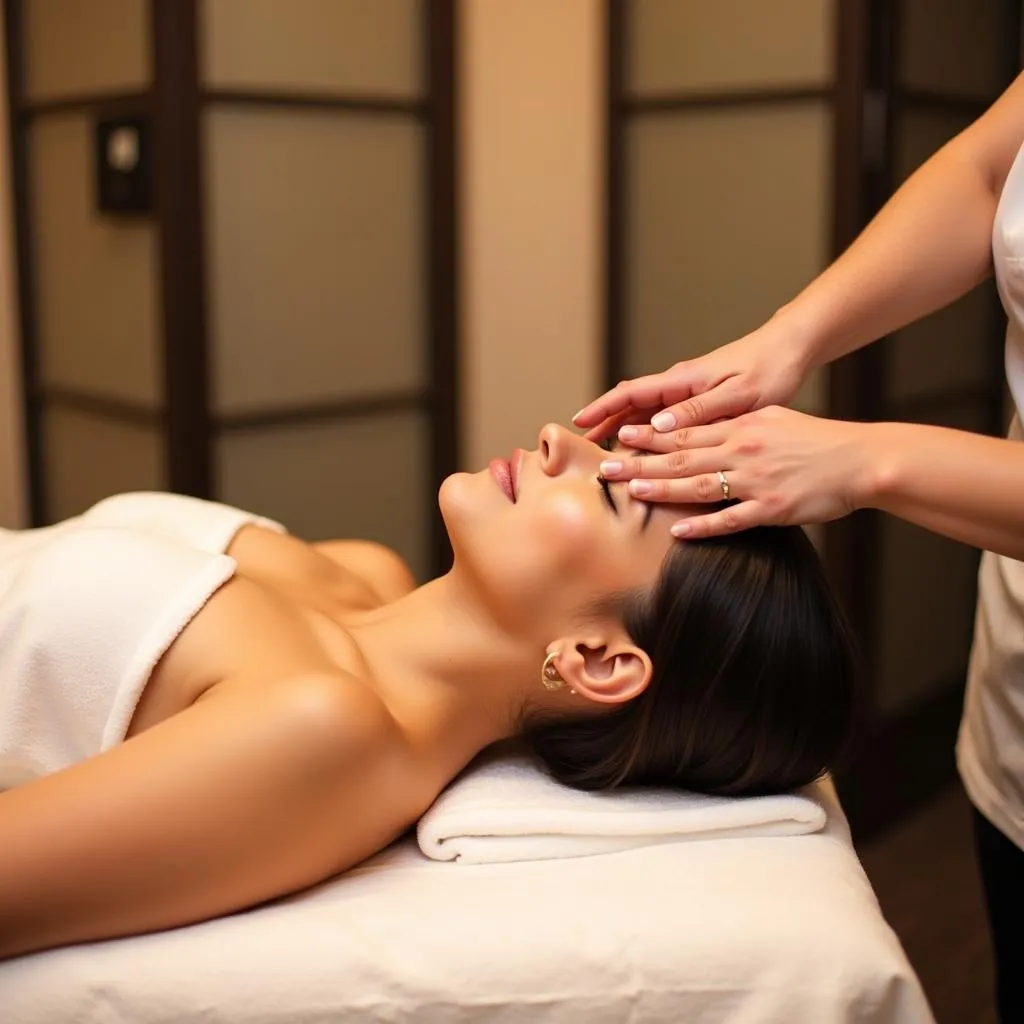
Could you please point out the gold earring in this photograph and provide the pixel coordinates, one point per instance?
(549, 673)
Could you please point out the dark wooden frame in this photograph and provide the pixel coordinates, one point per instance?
(916, 746)
(32, 401)
(179, 201)
(176, 100)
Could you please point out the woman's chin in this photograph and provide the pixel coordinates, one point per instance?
(451, 493)
(455, 500)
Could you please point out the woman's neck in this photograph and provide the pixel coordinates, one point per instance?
(450, 676)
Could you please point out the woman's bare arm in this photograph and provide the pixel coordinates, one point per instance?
(929, 244)
(253, 792)
(966, 486)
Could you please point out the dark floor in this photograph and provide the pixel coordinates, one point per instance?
(924, 874)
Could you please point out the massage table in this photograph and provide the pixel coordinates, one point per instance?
(739, 930)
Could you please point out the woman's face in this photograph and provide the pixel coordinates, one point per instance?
(541, 536)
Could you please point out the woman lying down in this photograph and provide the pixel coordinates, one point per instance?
(199, 712)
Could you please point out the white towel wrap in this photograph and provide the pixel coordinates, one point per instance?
(87, 608)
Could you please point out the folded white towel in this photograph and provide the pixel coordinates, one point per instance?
(505, 807)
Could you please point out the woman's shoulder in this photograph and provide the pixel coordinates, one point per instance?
(342, 722)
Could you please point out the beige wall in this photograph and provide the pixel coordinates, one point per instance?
(13, 497)
(531, 188)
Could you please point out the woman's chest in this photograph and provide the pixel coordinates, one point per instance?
(301, 574)
(278, 617)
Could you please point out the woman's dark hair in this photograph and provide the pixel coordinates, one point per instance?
(755, 685)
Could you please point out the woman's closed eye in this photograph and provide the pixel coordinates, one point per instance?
(607, 490)
(609, 445)
(609, 497)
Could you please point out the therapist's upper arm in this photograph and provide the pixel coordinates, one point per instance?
(994, 139)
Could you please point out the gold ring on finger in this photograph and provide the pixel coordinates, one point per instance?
(724, 484)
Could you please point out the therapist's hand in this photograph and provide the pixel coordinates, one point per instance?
(782, 467)
(762, 368)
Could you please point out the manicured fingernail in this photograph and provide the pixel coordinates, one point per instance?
(639, 487)
(663, 421)
(577, 415)
(628, 433)
(611, 468)
(680, 529)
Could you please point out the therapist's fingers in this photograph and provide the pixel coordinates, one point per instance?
(611, 426)
(733, 397)
(611, 403)
(741, 516)
(651, 392)
(665, 477)
(645, 438)
(703, 488)
(605, 415)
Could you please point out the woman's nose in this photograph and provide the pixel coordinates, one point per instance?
(554, 446)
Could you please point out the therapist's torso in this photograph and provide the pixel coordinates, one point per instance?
(990, 751)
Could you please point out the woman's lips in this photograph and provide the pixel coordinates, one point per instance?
(506, 472)
(502, 472)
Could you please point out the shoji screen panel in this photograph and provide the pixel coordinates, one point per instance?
(316, 158)
(340, 46)
(718, 237)
(95, 277)
(316, 251)
(722, 174)
(90, 455)
(317, 478)
(90, 282)
(73, 48)
(677, 46)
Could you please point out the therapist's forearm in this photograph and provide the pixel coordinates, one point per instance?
(930, 244)
(965, 486)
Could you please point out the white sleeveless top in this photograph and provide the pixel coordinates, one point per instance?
(990, 750)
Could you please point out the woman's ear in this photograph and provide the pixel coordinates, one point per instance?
(605, 667)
